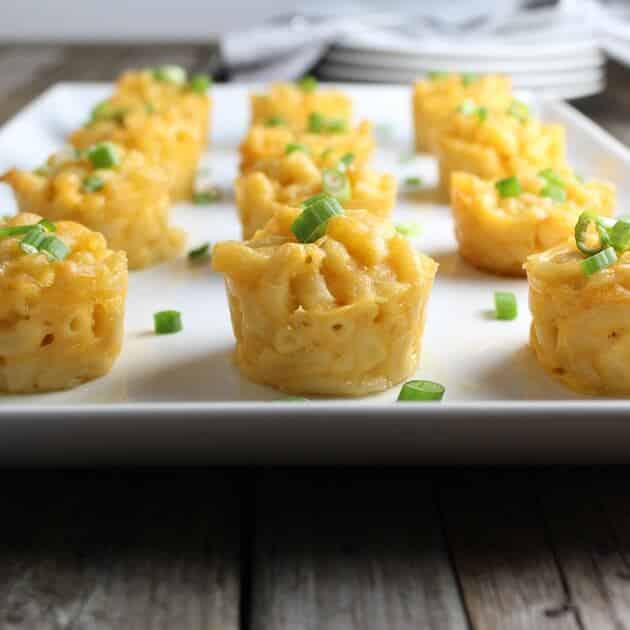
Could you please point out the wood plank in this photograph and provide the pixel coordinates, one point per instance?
(506, 569)
(350, 551)
(122, 551)
(586, 549)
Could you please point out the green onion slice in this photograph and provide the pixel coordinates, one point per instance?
(308, 83)
(508, 187)
(467, 107)
(421, 391)
(170, 74)
(104, 155)
(275, 121)
(410, 230)
(92, 183)
(505, 305)
(167, 322)
(555, 192)
(105, 111)
(413, 181)
(468, 78)
(434, 75)
(336, 125)
(318, 123)
(317, 211)
(599, 261)
(200, 83)
(200, 253)
(205, 197)
(585, 220)
(47, 225)
(18, 230)
(551, 177)
(336, 183)
(31, 243)
(54, 248)
(292, 147)
(620, 235)
(345, 161)
(518, 110)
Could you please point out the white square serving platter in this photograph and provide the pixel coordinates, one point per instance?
(180, 399)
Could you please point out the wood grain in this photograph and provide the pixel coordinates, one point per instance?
(149, 551)
(340, 551)
(508, 572)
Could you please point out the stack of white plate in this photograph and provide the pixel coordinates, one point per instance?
(556, 54)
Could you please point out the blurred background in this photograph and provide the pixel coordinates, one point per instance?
(556, 47)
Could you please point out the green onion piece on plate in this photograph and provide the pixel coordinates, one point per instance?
(336, 125)
(17, 230)
(317, 211)
(467, 107)
(170, 74)
(104, 155)
(200, 253)
(336, 183)
(92, 183)
(583, 235)
(518, 110)
(200, 83)
(54, 248)
(482, 113)
(421, 391)
(468, 78)
(508, 187)
(275, 121)
(620, 235)
(599, 261)
(205, 197)
(413, 181)
(434, 75)
(410, 230)
(505, 305)
(167, 322)
(307, 83)
(551, 177)
(32, 241)
(316, 122)
(292, 147)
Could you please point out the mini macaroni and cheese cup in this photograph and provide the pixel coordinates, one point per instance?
(580, 304)
(436, 98)
(292, 105)
(263, 143)
(338, 311)
(62, 304)
(496, 144)
(174, 142)
(291, 179)
(110, 190)
(498, 224)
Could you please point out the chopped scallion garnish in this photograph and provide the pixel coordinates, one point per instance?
(206, 197)
(200, 253)
(170, 74)
(410, 230)
(421, 391)
(336, 183)
(167, 322)
(92, 183)
(599, 261)
(17, 230)
(518, 110)
(345, 161)
(47, 225)
(508, 187)
(468, 78)
(620, 235)
(30, 244)
(307, 83)
(105, 111)
(54, 248)
(555, 192)
(468, 108)
(434, 75)
(104, 155)
(413, 182)
(275, 121)
(551, 177)
(200, 83)
(318, 123)
(317, 211)
(292, 147)
(505, 305)
(582, 235)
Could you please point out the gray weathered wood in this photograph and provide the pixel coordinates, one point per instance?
(115, 553)
(507, 571)
(342, 551)
(587, 549)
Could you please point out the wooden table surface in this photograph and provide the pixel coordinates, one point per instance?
(303, 549)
